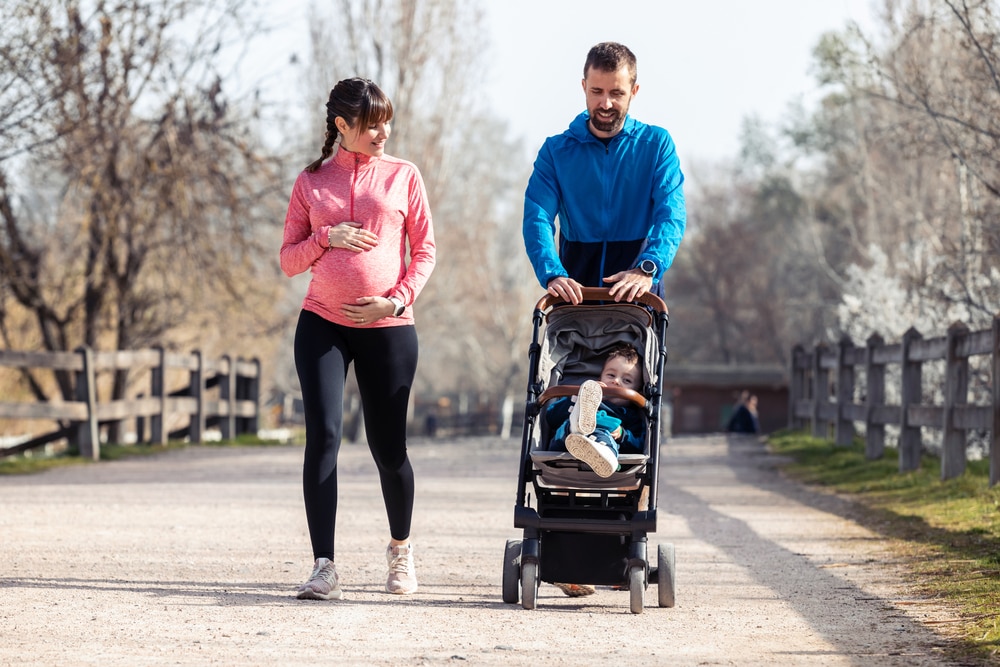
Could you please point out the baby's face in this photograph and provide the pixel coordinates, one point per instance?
(618, 372)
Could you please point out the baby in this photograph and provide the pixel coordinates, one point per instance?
(595, 429)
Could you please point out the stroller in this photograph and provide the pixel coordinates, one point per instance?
(582, 528)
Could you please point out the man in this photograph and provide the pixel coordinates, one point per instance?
(617, 188)
(615, 184)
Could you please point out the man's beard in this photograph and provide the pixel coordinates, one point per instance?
(612, 125)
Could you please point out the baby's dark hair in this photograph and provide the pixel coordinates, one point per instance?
(625, 351)
(357, 101)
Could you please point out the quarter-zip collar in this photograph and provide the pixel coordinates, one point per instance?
(350, 160)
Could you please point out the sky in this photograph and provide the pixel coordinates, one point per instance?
(703, 65)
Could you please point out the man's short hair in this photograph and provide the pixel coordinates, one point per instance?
(610, 57)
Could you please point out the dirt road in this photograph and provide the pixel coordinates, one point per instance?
(192, 558)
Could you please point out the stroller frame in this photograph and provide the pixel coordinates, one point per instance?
(574, 511)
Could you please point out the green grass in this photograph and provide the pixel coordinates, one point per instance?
(947, 533)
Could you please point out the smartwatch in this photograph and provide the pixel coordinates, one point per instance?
(648, 267)
(399, 306)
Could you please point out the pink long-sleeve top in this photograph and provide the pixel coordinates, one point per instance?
(387, 196)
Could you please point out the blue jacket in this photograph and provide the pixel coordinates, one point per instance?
(617, 204)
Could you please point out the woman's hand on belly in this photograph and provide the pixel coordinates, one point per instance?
(368, 309)
(351, 236)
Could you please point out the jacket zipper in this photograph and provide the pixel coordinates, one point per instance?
(354, 181)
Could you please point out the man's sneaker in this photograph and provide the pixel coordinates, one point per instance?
(583, 415)
(595, 454)
(576, 590)
(402, 579)
(324, 584)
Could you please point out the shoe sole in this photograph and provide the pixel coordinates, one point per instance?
(588, 401)
(401, 591)
(310, 594)
(584, 449)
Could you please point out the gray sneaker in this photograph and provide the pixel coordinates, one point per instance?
(583, 414)
(402, 579)
(324, 584)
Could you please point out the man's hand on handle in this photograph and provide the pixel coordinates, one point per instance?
(566, 289)
(629, 285)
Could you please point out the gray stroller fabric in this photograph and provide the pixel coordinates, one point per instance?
(559, 470)
(576, 338)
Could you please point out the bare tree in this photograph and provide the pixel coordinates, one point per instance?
(917, 111)
(134, 197)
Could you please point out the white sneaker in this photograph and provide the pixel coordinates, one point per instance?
(402, 579)
(324, 584)
(583, 415)
(595, 454)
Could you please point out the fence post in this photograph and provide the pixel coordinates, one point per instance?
(197, 389)
(227, 396)
(820, 392)
(956, 393)
(844, 427)
(157, 389)
(875, 378)
(796, 384)
(911, 393)
(87, 437)
(253, 394)
(995, 433)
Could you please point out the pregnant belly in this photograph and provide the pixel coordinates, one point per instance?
(342, 276)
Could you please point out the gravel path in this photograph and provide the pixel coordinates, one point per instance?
(192, 557)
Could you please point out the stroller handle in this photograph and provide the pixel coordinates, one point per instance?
(603, 294)
(561, 390)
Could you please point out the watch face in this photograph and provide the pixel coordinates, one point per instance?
(648, 267)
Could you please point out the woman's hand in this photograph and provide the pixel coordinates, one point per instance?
(368, 309)
(350, 236)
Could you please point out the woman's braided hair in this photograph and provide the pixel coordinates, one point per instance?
(360, 103)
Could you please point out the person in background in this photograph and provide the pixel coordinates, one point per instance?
(351, 217)
(615, 185)
(744, 418)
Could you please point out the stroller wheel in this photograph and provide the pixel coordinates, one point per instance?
(511, 571)
(665, 570)
(529, 585)
(636, 589)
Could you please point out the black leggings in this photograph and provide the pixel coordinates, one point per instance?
(385, 361)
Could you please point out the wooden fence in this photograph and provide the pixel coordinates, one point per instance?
(223, 393)
(822, 389)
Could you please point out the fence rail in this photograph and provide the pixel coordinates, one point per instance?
(223, 392)
(821, 394)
